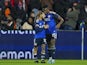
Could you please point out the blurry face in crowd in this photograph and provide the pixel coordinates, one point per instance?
(6, 3)
(75, 4)
(30, 20)
(20, 5)
(32, 14)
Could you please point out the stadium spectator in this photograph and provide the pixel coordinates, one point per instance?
(3, 25)
(21, 15)
(32, 15)
(61, 7)
(27, 7)
(12, 3)
(7, 23)
(35, 4)
(14, 12)
(35, 11)
(10, 24)
(49, 3)
(28, 25)
(72, 17)
(15, 9)
(7, 10)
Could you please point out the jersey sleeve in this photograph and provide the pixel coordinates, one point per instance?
(55, 15)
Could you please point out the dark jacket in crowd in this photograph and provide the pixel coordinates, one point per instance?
(61, 7)
(35, 4)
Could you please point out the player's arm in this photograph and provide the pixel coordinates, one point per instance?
(59, 18)
(60, 23)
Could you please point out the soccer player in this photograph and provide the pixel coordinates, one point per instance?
(51, 32)
(40, 37)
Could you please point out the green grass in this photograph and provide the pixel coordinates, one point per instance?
(31, 62)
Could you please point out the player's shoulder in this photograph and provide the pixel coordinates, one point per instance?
(37, 20)
(52, 12)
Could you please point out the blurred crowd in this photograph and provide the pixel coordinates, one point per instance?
(20, 14)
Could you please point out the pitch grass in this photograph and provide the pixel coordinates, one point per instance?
(31, 62)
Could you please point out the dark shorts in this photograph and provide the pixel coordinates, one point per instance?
(50, 36)
(39, 41)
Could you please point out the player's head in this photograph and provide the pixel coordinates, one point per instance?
(46, 9)
(41, 15)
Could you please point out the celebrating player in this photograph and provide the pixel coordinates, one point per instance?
(51, 32)
(40, 36)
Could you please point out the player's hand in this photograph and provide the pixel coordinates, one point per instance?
(46, 26)
(58, 26)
